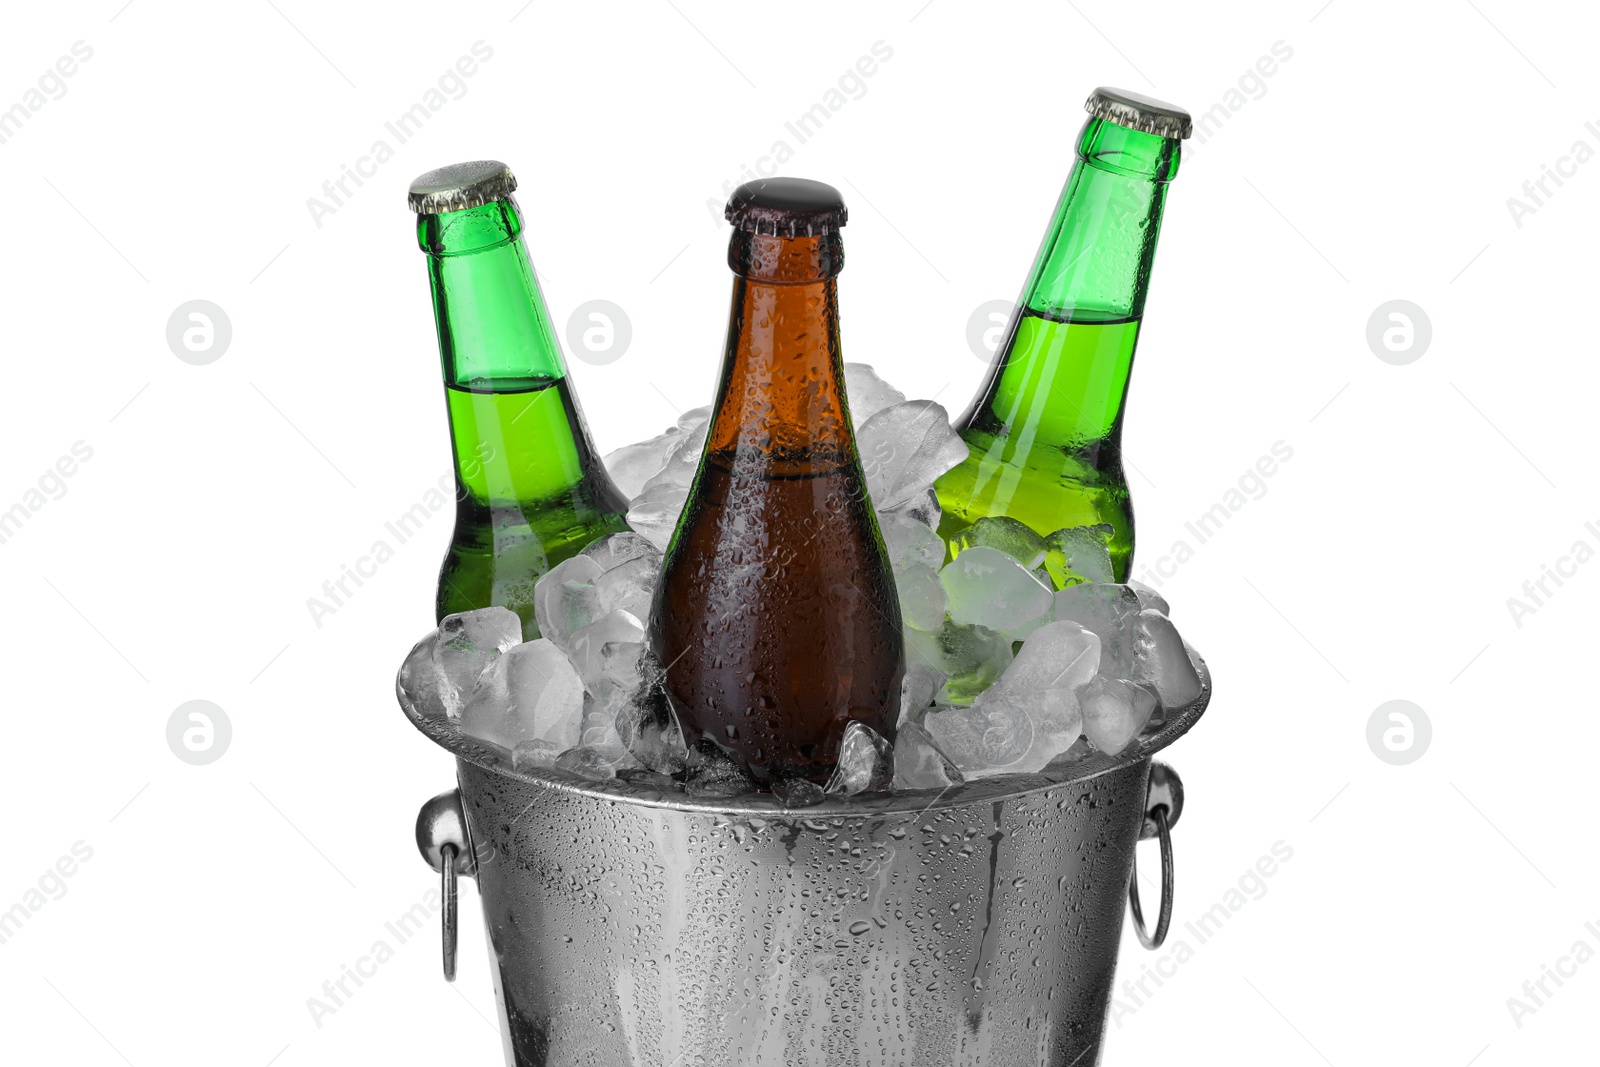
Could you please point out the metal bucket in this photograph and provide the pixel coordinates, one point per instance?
(633, 928)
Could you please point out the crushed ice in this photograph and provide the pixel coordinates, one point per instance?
(1004, 674)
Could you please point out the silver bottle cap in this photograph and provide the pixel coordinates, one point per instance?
(460, 186)
(1139, 112)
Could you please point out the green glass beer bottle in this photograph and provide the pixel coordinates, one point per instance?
(1045, 429)
(530, 489)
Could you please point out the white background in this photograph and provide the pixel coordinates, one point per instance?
(1374, 164)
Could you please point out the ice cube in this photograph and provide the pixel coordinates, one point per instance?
(924, 508)
(606, 654)
(867, 394)
(984, 739)
(1026, 630)
(616, 549)
(1149, 599)
(710, 772)
(1114, 711)
(922, 597)
(986, 587)
(1057, 720)
(600, 734)
(904, 448)
(545, 695)
(1080, 554)
(1111, 612)
(1005, 534)
(798, 792)
(865, 762)
(910, 543)
(970, 658)
(694, 418)
(629, 586)
(586, 762)
(632, 465)
(654, 513)
(417, 684)
(529, 693)
(682, 461)
(918, 763)
(648, 701)
(564, 600)
(917, 687)
(537, 754)
(1058, 655)
(468, 642)
(1161, 661)
(659, 746)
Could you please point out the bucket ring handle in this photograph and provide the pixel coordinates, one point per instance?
(1163, 805)
(442, 840)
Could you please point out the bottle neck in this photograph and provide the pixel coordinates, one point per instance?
(517, 431)
(1094, 265)
(494, 329)
(782, 398)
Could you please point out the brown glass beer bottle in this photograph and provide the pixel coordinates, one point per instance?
(776, 617)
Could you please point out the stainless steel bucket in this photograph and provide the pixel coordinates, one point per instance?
(978, 925)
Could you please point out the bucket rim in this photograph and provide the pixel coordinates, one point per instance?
(764, 805)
